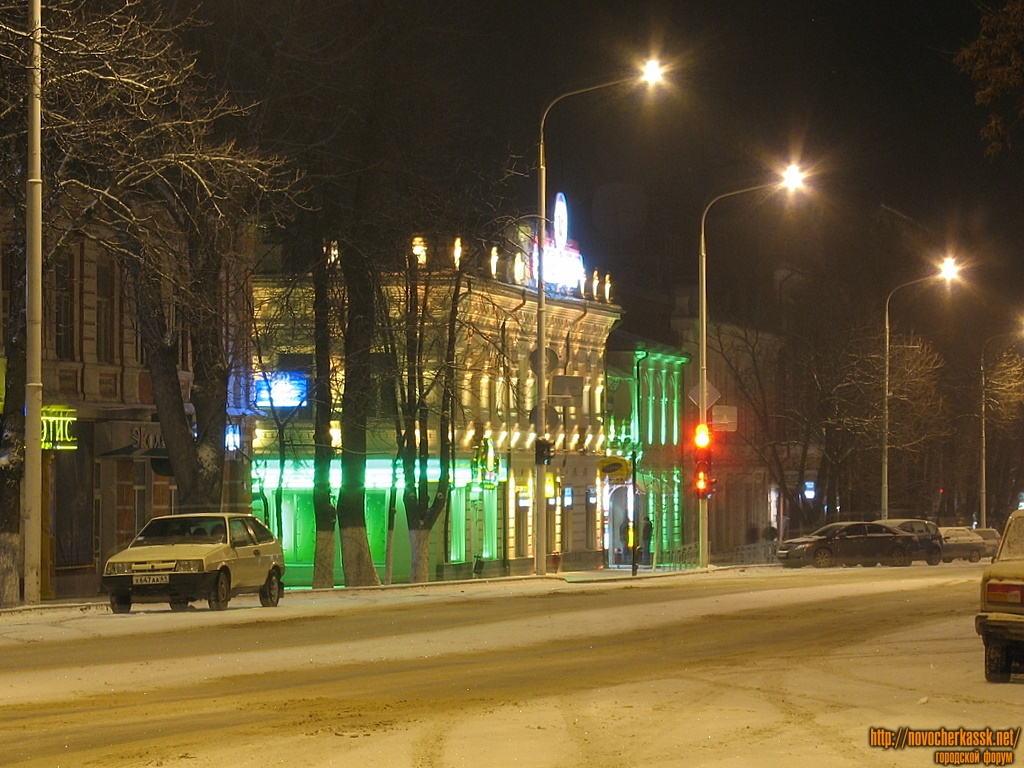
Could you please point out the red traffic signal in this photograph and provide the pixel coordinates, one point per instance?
(703, 482)
(702, 436)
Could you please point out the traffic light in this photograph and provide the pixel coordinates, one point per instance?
(702, 437)
(542, 451)
(703, 482)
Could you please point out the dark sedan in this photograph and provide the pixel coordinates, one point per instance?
(849, 544)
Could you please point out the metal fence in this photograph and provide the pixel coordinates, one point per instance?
(759, 553)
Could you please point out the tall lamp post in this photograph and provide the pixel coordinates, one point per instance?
(792, 179)
(948, 272)
(32, 481)
(651, 74)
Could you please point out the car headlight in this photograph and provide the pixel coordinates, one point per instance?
(117, 569)
(189, 566)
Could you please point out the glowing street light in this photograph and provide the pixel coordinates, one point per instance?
(948, 271)
(652, 73)
(792, 179)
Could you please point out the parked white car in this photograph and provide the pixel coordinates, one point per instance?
(182, 558)
(991, 537)
(961, 543)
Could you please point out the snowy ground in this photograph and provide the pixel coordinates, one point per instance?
(739, 668)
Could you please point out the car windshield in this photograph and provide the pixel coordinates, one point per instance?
(1012, 547)
(178, 530)
(828, 530)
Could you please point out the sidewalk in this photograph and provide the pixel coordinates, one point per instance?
(609, 573)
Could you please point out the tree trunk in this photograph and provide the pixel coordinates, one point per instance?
(12, 442)
(359, 327)
(323, 510)
(207, 319)
(419, 541)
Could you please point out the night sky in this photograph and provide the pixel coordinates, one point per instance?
(862, 92)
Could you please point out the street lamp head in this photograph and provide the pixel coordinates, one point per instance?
(653, 72)
(950, 270)
(793, 178)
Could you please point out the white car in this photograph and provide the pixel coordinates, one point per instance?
(991, 537)
(961, 543)
(181, 558)
(1001, 619)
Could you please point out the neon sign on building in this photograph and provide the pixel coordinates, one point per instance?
(563, 263)
(58, 429)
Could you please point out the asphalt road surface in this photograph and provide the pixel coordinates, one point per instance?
(754, 667)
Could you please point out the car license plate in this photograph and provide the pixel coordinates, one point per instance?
(150, 578)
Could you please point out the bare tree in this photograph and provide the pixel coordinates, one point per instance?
(995, 62)
(133, 162)
(421, 336)
(364, 99)
(813, 388)
(1004, 415)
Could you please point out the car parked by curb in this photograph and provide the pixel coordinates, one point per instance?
(179, 559)
(991, 537)
(849, 543)
(961, 543)
(928, 545)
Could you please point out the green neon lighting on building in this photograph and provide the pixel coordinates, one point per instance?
(380, 475)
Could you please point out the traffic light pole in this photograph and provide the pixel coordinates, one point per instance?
(704, 545)
(704, 550)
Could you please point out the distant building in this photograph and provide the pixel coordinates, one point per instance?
(646, 396)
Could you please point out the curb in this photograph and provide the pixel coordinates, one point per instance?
(100, 602)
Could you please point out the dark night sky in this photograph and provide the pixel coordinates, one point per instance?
(863, 92)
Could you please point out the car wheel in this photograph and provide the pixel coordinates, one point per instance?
(997, 663)
(934, 557)
(178, 604)
(898, 557)
(221, 592)
(270, 592)
(120, 603)
(975, 556)
(823, 558)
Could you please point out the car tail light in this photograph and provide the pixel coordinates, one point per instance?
(1003, 592)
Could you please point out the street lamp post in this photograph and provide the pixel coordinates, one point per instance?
(32, 481)
(948, 272)
(652, 74)
(792, 179)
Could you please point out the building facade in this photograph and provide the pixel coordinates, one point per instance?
(646, 394)
(747, 508)
(488, 527)
(105, 469)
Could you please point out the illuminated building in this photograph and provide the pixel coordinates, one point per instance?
(646, 394)
(488, 529)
